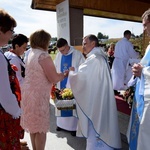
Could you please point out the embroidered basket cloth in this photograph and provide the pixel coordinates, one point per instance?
(65, 104)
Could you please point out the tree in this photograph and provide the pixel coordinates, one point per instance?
(141, 35)
(132, 35)
(102, 36)
(54, 39)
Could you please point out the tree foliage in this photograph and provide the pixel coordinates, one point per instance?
(102, 36)
(54, 39)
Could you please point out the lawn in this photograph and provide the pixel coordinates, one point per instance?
(53, 55)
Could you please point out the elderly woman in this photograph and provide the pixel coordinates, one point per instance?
(39, 76)
(9, 108)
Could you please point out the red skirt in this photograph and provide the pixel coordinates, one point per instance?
(10, 132)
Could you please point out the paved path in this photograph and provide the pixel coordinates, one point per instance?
(61, 140)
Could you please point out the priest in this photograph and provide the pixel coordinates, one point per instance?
(67, 57)
(95, 101)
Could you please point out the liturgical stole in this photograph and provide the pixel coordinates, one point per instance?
(138, 105)
(66, 63)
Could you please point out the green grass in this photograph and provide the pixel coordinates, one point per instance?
(53, 55)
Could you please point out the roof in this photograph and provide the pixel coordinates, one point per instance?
(130, 10)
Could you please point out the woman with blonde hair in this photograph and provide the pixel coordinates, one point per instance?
(39, 76)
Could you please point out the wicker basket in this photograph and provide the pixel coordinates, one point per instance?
(65, 104)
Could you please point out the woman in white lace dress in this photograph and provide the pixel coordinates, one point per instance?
(39, 76)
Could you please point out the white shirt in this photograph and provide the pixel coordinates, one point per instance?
(124, 50)
(123, 53)
(15, 60)
(26, 55)
(7, 98)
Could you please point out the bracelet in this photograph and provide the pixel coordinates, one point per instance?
(62, 76)
(65, 74)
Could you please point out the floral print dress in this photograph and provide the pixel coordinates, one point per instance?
(35, 95)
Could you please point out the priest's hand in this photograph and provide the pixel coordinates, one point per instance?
(137, 70)
(66, 72)
(71, 69)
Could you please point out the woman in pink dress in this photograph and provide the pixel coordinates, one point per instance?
(39, 76)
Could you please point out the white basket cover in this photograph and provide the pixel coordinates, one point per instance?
(60, 104)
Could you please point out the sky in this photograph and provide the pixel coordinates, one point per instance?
(30, 20)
